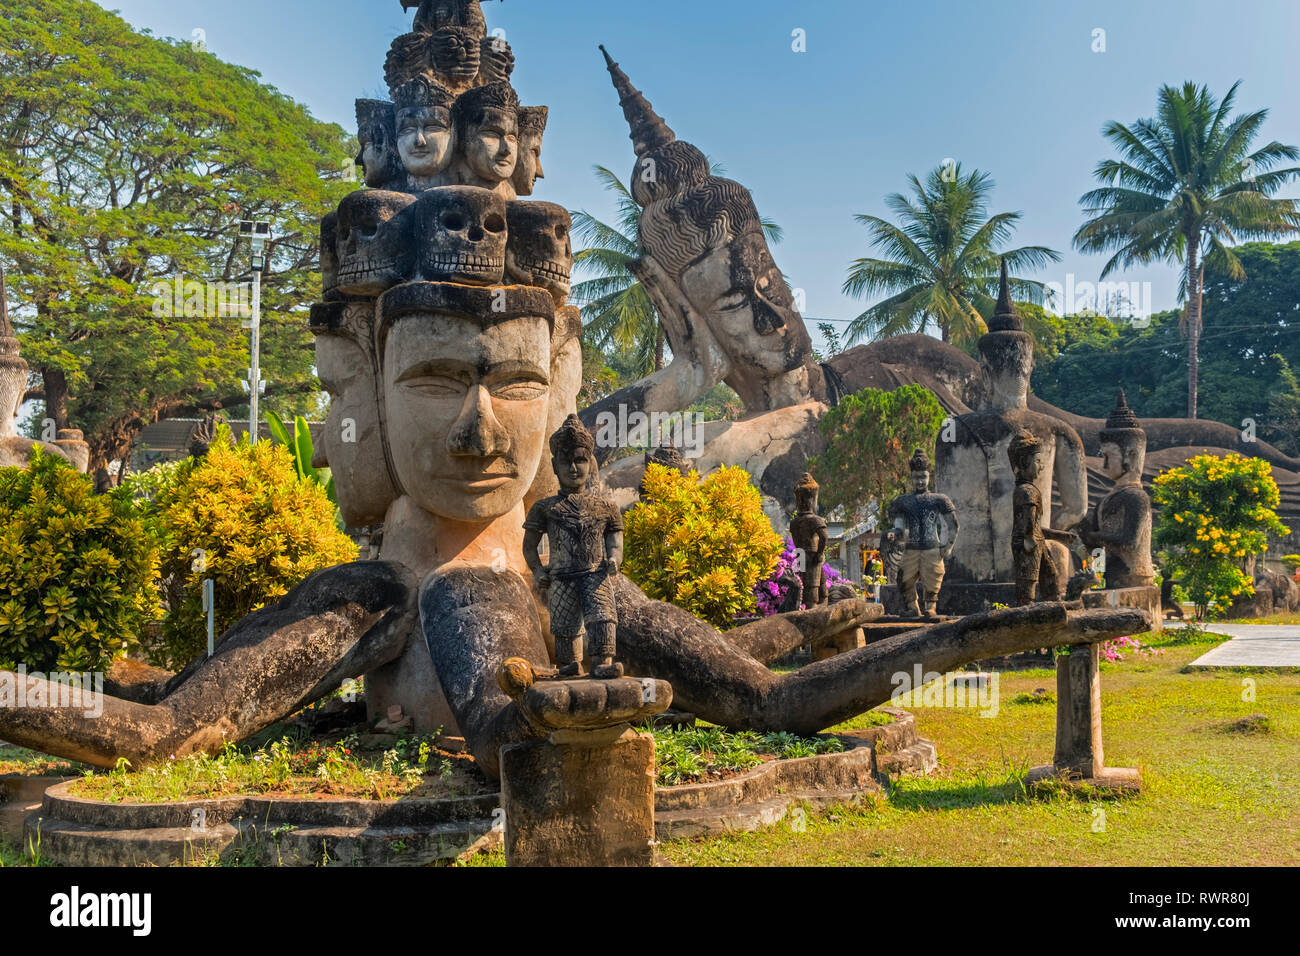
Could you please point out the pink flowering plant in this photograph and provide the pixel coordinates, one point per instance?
(771, 593)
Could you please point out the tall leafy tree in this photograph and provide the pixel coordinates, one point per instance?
(616, 312)
(125, 163)
(1185, 188)
(941, 260)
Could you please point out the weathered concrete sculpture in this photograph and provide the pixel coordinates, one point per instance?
(1028, 545)
(426, 139)
(929, 524)
(540, 248)
(808, 530)
(486, 120)
(585, 531)
(1121, 522)
(974, 470)
(461, 236)
(15, 451)
(469, 381)
(379, 158)
(374, 241)
(528, 169)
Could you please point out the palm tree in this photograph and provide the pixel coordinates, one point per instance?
(616, 312)
(1185, 187)
(943, 260)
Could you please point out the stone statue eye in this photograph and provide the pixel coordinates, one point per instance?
(519, 391)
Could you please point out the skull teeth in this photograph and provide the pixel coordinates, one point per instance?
(548, 268)
(483, 264)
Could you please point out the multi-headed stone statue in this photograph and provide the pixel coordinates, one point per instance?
(808, 530)
(585, 531)
(1121, 522)
(929, 524)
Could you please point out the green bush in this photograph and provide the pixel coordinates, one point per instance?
(701, 545)
(1214, 514)
(241, 517)
(77, 570)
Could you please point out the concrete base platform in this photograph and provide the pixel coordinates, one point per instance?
(1254, 645)
(1114, 780)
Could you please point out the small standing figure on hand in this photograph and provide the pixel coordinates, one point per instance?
(923, 516)
(585, 531)
(1028, 543)
(808, 531)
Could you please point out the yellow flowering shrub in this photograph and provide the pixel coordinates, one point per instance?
(77, 570)
(1214, 513)
(701, 545)
(242, 517)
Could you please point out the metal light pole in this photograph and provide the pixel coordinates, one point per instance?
(258, 233)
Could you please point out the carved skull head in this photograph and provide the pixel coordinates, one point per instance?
(455, 54)
(374, 241)
(540, 249)
(461, 235)
(329, 256)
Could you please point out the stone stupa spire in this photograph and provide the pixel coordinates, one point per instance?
(1005, 317)
(649, 131)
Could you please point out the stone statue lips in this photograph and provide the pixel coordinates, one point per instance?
(479, 481)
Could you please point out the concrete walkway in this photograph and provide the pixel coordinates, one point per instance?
(1254, 645)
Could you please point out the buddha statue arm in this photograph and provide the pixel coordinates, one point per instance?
(953, 528)
(1071, 475)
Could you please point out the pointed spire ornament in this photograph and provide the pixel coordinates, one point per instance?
(1005, 317)
(1123, 423)
(649, 131)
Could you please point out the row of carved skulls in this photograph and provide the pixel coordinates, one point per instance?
(464, 234)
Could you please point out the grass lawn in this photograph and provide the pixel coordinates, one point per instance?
(1212, 795)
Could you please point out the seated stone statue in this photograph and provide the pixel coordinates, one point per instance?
(1121, 522)
(929, 524)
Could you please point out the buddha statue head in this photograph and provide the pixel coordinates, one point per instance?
(487, 129)
(350, 443)
(1123, 444)
(466, 389)
(919, 468)
(1006, 354)
(805, 495)
(706, 234)
(379, 159)
(425, 135)
(528, 168)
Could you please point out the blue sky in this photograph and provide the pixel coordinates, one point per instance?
(885, 89)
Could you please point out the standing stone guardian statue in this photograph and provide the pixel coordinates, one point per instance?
(585, 531)
(1033, 561)
(929, 524)
(808, 530)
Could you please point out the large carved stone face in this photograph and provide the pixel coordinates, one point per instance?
(741, 292)
(528, 166)
(491, 149)
(375, 241)
(539, 250)
(461, 234)
(425, 140)
(1007, 362)
(467, 410)
(350, 443)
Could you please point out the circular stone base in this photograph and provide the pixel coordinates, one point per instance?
(292, 831)
(1119, 781)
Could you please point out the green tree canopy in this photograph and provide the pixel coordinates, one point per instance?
(942, 260)
(125, 163)
(870, 437)
(1186, 188)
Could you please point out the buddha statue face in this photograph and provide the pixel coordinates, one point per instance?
(920, 481)
(491, 147)
(573, 468)
(742, 293)
(1123, 459)
(1007, 361)
(467, 409)
(425, 140)
(350, 443)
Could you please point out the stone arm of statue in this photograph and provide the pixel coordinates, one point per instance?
(698, 363)
(339, 623)
(613, 551)
(953, 528)
(1071, 473)
(533, 558)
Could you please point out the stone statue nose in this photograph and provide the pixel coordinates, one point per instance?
(477, 433)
